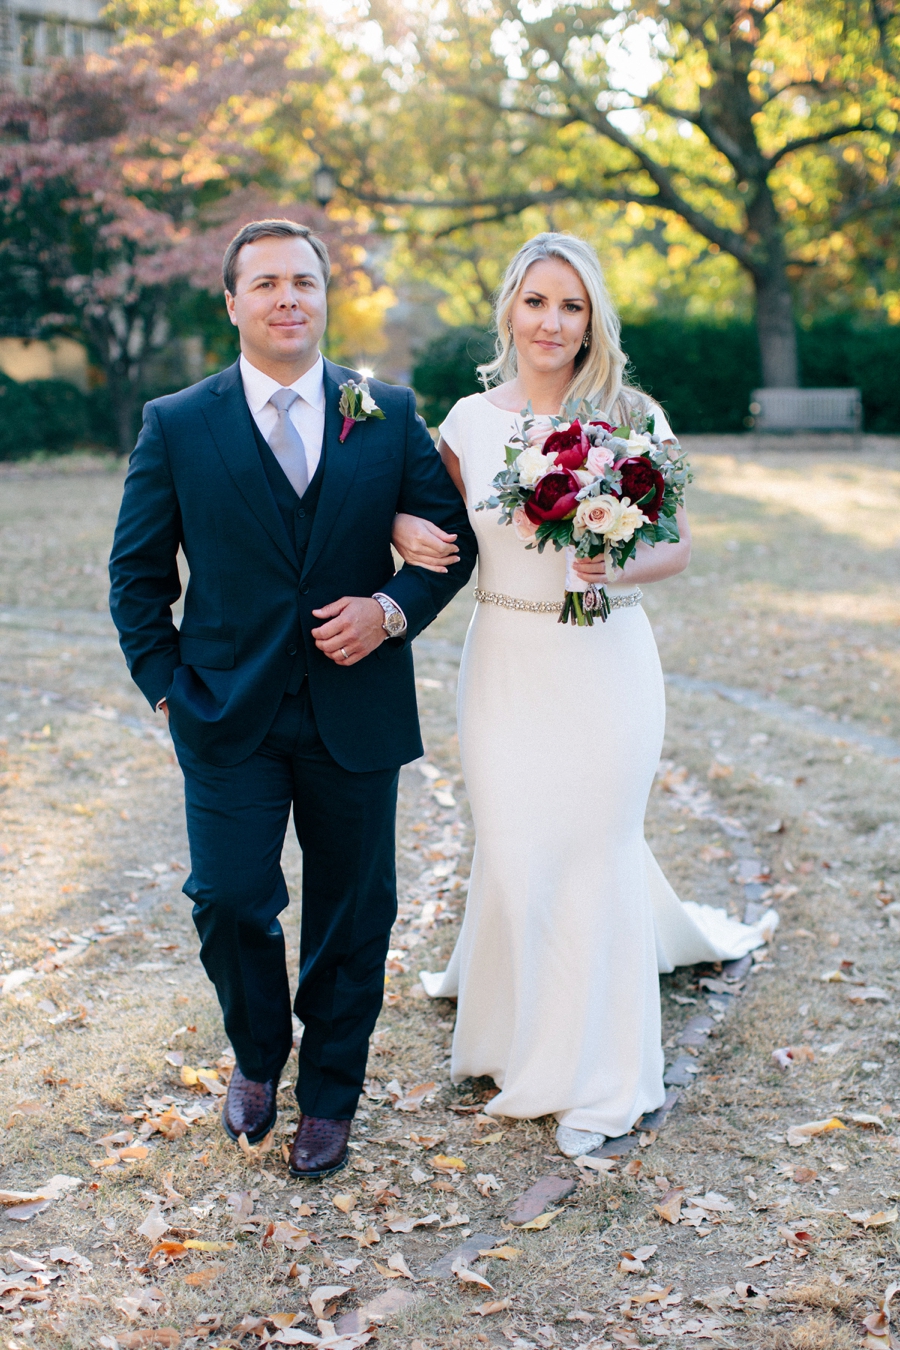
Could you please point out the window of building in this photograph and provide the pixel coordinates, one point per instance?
(28, 31)
(77, 36)
(55, 39)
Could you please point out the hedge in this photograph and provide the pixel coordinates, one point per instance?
(702, 374)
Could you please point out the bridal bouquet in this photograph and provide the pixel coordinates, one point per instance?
(590, 488)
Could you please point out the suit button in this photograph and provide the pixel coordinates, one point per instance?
(304, 590)
(292, 650)
(301, 514)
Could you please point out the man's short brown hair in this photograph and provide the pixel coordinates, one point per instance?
(271, 229)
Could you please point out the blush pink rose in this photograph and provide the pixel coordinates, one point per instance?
(599, 458)
(525, 529)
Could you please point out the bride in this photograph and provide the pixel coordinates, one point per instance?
(569, 917)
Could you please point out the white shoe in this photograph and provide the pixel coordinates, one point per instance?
(575, 1143)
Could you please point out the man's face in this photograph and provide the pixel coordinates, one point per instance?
(279, 305)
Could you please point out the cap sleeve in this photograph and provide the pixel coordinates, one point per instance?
(452, 426)
(661, 424)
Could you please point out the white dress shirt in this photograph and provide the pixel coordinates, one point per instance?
(307, 413)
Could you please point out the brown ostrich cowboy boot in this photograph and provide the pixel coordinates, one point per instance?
(250, 1108)
(319, 1147)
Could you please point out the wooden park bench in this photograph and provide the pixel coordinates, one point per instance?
(793, 410)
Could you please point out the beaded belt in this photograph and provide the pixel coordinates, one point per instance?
(550, 606)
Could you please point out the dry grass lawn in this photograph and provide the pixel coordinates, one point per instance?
(106, 1017)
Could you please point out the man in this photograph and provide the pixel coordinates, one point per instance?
(290, 682)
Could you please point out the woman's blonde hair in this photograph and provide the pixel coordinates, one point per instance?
(599, 366)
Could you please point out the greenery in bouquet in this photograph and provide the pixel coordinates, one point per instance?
(584, 484)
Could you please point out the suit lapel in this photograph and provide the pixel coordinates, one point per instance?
(228, 419)
(340, 465)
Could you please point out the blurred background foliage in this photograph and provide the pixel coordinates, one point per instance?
(735, 165)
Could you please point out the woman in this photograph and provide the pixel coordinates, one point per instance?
(569, 917)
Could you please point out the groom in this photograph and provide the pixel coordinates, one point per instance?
(289, 684)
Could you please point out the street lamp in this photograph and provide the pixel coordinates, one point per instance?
(324, 185)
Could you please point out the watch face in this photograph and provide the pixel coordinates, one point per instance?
(393, 624)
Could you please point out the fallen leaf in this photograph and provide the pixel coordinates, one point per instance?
(798, 1240)
(412, 1099)
(290, 1236)
(171, 1124)
(304, 1210)
(486, 1182)
(653, 1295)
(167, 1337)
(542, 1221)
(167, 1249)
(325, 1294)
(188, 1075)
(880, 1219)
(669, 1208)
(595, 1164)
(798, 1135)
(467, 1276)
(154, 1225)
(67, 1256)
(398, 1266)
(199, 1279)
(503, 1253)
(427, 1140)
(254, 1151)
(195, 1244)
(875, 1121)
(386, 1271)
(717, 770)
(488, 1139)
(344, 1203)
(136, 1153)
(869, 994)
(209, 1079)
(759, 1261)
(405, 1223)
(802, 1175)
(496, 1305)
(417, 1176)
(712, 1201)
(369, 1237)
(442, 1163)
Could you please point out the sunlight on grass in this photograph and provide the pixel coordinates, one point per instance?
(859, 500)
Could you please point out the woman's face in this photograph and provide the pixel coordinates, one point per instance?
(549, 316)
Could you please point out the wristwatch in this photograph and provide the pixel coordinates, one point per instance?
(394, 618)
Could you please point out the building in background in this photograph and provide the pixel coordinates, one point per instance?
(34, 32)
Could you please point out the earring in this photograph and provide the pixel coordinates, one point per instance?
(586, 340)
(509, 327)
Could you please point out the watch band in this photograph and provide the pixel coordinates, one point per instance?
(391, 607)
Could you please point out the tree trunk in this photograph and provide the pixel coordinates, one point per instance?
(123, 398)
(775, 330)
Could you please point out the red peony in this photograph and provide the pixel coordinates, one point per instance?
(555, 497)
(639, 478)
(570, 446)
(605, 425)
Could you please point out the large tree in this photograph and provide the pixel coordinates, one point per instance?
(768, 129)
(123, 178)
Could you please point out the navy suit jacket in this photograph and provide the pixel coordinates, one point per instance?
(196, 479)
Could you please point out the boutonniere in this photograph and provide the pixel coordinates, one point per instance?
(357, 405)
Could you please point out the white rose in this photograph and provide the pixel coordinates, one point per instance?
(368, 403)
(631, 518)
(599, 515)
(638, 444)
(532, 465)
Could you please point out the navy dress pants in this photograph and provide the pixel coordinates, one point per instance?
(237, 818)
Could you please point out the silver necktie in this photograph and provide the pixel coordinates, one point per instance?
(286, 442)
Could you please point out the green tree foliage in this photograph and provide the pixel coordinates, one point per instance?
(701, 373)
(767, 131)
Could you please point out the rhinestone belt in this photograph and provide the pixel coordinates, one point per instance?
(549, 606)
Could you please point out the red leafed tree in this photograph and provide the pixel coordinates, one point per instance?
(122, 179)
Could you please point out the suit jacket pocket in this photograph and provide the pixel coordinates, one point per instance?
(214, 653)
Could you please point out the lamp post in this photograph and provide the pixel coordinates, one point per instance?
(324, 185)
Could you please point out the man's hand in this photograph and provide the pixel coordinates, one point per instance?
(162, 706)
(354, 628)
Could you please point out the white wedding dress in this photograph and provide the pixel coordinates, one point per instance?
(569, 917)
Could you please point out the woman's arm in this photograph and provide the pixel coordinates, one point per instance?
(652, 562)
(418, 541)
